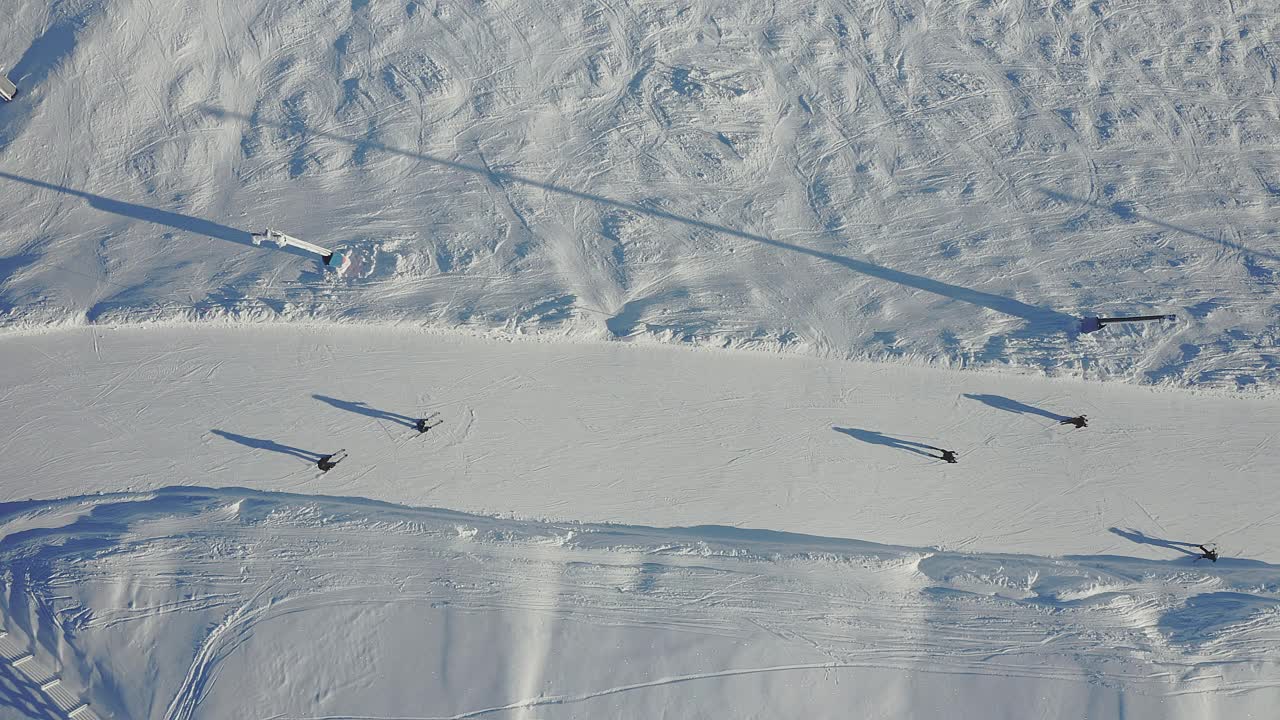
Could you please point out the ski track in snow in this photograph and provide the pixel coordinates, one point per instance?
(1149, 627)
(241, 588)
(918, 182)
(639, 435)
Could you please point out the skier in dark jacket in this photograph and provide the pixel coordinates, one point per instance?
(948, 455)
(422, 424)
(1079, 421)
(328, 462)
(1207, 554)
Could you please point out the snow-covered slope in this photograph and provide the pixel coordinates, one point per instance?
(604, 529)
(215, 600)
(941, 181)
(257, 604)
(649, 436)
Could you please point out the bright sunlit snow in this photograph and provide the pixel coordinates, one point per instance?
(700, 292)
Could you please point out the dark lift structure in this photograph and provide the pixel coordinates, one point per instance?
(1094, 324)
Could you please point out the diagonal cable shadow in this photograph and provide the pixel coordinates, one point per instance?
(1125, 211)
(877, 438)
(1138, 537)
(362, 409)
(1000, 402)
(1049, 320)
(174, 220)
(272, 445)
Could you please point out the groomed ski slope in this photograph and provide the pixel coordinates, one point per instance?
(537, 197)
(1046, 574)
(639, 435)
(928, 182)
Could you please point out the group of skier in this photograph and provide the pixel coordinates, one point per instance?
(1081, 421)
(424, 425)
(330, 461)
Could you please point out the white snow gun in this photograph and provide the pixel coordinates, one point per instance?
(1094, 324)
(283, 240)
(8, 91)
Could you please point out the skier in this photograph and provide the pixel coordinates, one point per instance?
(1079, 421)
(424, 424)
(1207, 554)
(327, 462)
(948, 455)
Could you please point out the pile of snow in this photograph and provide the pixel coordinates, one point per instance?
(951, 183)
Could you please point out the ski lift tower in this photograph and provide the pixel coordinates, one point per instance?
(1094, 324)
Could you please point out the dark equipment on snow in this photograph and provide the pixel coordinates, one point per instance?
(424, 424)
(327, 462)
(1079, 421)
(948, 455)
(1207, 553)
(1094, 324)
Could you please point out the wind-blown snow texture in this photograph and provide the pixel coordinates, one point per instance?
(949, 182)
(237, 592)
(953, 183)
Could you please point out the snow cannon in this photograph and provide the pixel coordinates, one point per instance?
(340, 262)
(331, 259)
(1094, 324)
(8, 91)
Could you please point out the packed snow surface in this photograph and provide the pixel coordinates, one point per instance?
(723, 588)
(952, 182)
(640, 435)
(624, 529)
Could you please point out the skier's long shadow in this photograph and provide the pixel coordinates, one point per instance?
(1138, 537)
(272, 445)
(875, 438)
(1000, 402)
(362, 409)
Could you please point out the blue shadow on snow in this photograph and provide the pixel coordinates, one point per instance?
(1125, 211)
(1046, 320)
(174, 220)
(362, 409)
(1142, 539)
(877, 438)
(1000, 402)
(272, 445)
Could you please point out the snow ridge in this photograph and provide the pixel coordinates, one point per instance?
(261, 558)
